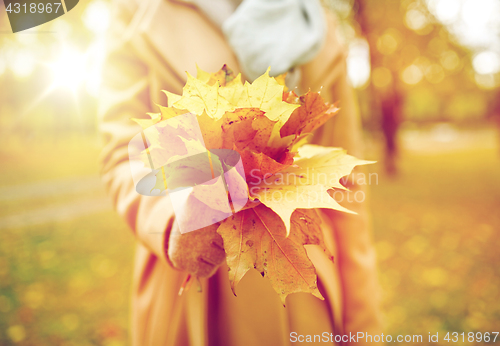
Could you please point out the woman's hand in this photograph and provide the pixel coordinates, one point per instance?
(199, 252)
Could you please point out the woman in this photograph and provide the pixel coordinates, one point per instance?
(159, 41)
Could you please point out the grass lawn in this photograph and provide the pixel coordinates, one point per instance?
(436, 230)
(62, 282)
(67, 282)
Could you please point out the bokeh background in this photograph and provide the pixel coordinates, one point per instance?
(427, 76)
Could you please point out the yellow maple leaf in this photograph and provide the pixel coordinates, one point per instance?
(198, 97)
(266, 94)
(171, 97)
(165, 114)
(225, 76)
(305, 184)
(233, 90)
(281, 81)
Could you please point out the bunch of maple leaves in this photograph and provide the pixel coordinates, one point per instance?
(267, 126)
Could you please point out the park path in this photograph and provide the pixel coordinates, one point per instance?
(95, 201)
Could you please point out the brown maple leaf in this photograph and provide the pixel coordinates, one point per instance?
(256, 238)
(312, 113)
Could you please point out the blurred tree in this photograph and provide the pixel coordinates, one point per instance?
(495, 115)
(416, 66)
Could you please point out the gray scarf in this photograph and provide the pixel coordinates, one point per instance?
(282, 34)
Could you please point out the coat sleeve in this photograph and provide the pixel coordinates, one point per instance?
(125, 95)
(356, 253)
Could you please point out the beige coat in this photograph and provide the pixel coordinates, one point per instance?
(159, 43)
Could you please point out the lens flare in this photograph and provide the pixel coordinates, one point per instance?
(97, 17)
(486, 62)
(69, 70)
(358, 63)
